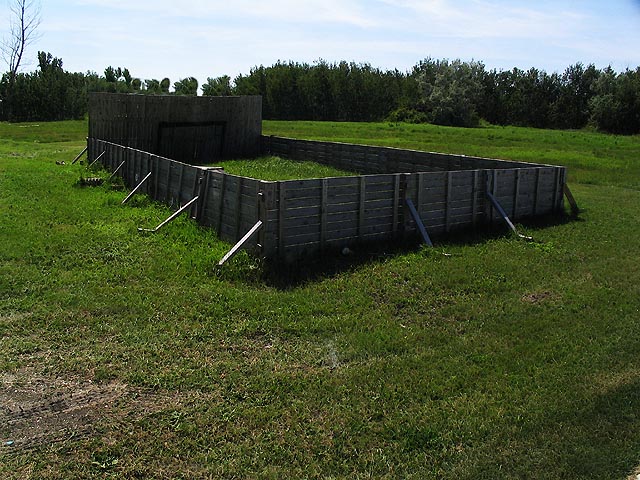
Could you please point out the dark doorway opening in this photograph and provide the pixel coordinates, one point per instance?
(196, 143)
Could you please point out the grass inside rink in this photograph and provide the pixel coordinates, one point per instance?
(132, 356)
(276, 168)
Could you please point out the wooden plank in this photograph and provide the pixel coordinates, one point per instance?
(323, 211)
(146, 167)
(97, 159)
(314, 189)
(443, 205)
(311, 237)
(516, 194)
(197, 179)
(113, 174)
(432, 180)
(180, 176)
(458, 193)
(504, 216)
(221, 206)
(204, 194)
(493, 192)
(557, 191)
(238, 246)
(416, 218)
(168, 182)
(79, 155)
(396, 202)
(421, 191)
(162, 163)
(313, 225)
(282, 206)
(575, 210)
(137, 187)
(171, 218)
(135, 178)
(238, 199)
(474, 198)
(361, 205)
(315, 210)
(537, 194)
(448, 189)
(130, 168)
(262, 216)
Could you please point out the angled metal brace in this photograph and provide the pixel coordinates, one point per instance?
(80, 155)
(504, 216)
(575, 210)
(418, 220)
(172, 217)
(236, 248)
(133, 192)
(117, 169)
(97, 158)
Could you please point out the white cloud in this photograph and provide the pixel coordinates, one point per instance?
(487, 19)
(348, 12)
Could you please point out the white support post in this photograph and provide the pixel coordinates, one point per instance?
(133, 192)
(172, 217)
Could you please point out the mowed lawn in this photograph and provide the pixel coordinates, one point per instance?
(133, 356)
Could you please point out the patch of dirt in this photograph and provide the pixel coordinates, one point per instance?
(536, 298)
(13, 317)
(635, 475)
(37, 411)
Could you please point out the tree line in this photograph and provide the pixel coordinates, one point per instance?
(443, 92)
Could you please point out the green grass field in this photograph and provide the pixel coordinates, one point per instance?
(132, 356)
(276, 168)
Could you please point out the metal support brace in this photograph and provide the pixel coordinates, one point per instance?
(575, 210)
(236, 248)
(418, 220)
(80, 155)
(97, 158)
(117, 169)
(504, 216)
(133, 192)
(172, 217)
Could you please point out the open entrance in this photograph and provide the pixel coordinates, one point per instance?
(196, 143)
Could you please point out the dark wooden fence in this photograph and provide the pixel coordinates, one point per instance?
(448, 191)
(368, 159)
(303, 217)
(226, 202)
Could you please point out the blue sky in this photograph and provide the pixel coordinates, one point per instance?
(209, 38)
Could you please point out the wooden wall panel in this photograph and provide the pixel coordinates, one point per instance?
(303, 217)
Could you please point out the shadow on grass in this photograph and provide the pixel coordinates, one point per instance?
(607, 434)
(333, 262)
(598, 439)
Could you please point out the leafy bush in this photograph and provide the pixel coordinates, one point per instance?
(407, 115)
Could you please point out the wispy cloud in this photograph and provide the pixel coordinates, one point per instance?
(348, 12)
(205, 38)
(487, 19)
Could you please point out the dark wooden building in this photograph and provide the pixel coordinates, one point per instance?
(194, 130)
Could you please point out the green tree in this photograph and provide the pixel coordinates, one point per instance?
(451, 92)
(152, 86)
(186, 86)
(616, 105)
(217, 87)
(165, 84)
(572, 107)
